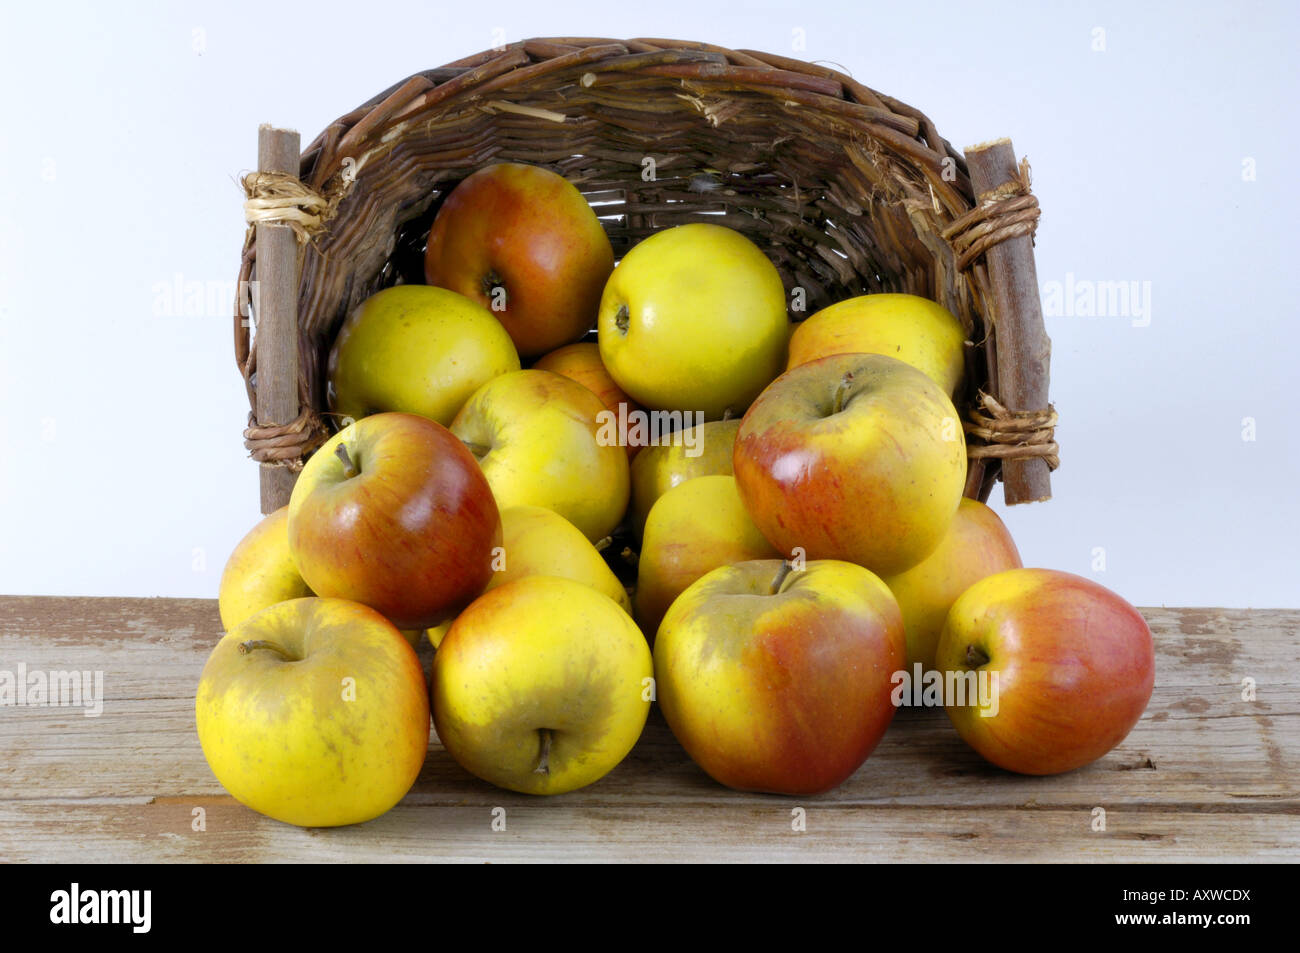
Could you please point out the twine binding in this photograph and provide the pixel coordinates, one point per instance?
(1008, 211)
(277, 198)
(286, 445)
(1012, 434)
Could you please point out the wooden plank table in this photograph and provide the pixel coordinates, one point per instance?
(1207, 775)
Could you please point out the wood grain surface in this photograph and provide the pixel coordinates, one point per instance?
(1207, 775)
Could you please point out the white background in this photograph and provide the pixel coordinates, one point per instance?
(126, 126)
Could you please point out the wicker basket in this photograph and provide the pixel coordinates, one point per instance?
(847, 191)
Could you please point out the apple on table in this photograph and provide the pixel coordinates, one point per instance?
(778, 679)
(1074, 665)
(314, 712)
(541, 686)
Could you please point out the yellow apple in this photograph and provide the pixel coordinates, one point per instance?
(417, 349)
(976, 545)
(693, 529)
(536, 541)
(535, 435)
(704, 450)
(541, 686)
(694, 319)
(912, 329)
(314, 712)
(260, 572)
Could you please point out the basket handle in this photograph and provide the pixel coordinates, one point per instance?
(1023, 350)
(277, 316)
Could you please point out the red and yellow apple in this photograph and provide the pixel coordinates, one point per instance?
(393, 512)
(857, 457)
(693, 529)
(523, 242)
(779, 680)
(694, 319)
(536, 436)
(541, 686)
(1071, 666)
(415, 349)
(314, 712)
(915, 330)
(976, 545)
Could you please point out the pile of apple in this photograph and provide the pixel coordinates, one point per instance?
(806, 562)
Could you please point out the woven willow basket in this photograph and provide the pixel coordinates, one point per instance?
(846, 190)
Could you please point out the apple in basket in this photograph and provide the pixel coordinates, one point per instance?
(524, 243)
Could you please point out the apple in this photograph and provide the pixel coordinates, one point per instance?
(415, 349)
(693, 529)
(393, 512)
(694, 319)
(976, 545)
(1074, 666)
(260, 572)
(536, 436)
(536, 541)
(703, 450)
(777, 679)
(581, 362)
(854, 456)
(524, 243)
(915, 330)
(541, 686)
(314, 712)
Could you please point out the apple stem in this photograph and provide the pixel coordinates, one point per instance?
(349, 468)
(622, 318)
(544, 762)
(840, 391)
(783, 577)
(975, 658)
(253, 644)
(603, 544)
(479, 450)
